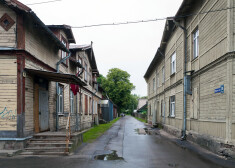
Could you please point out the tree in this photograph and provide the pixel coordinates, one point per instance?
(133, 102)
(118, 87)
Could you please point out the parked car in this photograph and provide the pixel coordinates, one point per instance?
(122, 115)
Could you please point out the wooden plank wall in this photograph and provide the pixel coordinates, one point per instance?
(8, 94)
(8, 38)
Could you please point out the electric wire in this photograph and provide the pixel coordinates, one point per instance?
(137, 21)
(152, 20)
(38, 3)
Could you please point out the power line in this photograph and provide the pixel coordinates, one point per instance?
(151, 20)
(43, 2)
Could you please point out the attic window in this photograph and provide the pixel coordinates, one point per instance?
(6, 22)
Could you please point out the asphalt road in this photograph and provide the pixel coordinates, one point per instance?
(127, 148)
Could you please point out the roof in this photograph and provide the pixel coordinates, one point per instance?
(91, 55)
(56, 77)
(167, 33)
(141, 103)
(67, 29)
(144, 107)
(21, 8)
(80, 47)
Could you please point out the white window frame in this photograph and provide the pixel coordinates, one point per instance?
(71, 96)
(172, 106)
(61, 100)
(173, 63)
(163, 74)
(195, 43)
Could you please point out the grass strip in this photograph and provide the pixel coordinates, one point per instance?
(97, 131)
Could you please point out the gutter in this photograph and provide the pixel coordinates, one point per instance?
(8, 48)
(57, 89)
(185, 79)
(15, 139)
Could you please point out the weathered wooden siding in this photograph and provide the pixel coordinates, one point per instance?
(8, 94)
(233, 131)
(29, 96)
(212, 34)
(8, 38)
(213, 106)
(29, 105)
(40, 46)
(212, 128)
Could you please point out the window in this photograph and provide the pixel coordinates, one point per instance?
(162, 108)
(195, 43)
(86, 105)
(81, 103)
(6, 22)
(95, 107)
(64, 54)
(154, 85)
(71, 102)
(172, 106)
(173, 63)
(85, 78)
(61, 99)
(90, 78)
(149, 110)
(90, 104)
(163, 74)
(80, 61)
(158, 80)
(149, 87)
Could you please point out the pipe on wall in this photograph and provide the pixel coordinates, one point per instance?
(185, 71)
(57, 89)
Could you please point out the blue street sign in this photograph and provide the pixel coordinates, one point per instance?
(220, 90)
(217, 90)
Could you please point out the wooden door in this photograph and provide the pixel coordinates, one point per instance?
(43, 110)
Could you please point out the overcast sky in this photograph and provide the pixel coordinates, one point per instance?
(128, 47)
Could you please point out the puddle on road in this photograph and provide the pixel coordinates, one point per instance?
(144, 131)
(111, 156)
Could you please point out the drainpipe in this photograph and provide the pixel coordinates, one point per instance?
(164, 82)
(57, 89)
(185, 71)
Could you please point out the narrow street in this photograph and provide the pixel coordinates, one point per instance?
(132, 149)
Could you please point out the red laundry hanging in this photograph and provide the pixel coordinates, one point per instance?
(74, 88)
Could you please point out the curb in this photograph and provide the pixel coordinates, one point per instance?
(198, 150)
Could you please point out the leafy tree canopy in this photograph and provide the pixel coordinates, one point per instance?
(118, 87)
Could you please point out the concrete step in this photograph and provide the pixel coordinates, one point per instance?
(35, 153)
(43, 137)
(48, 144)
(46, 149)
(49, 140)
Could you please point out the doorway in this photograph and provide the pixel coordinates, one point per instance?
(43, 111)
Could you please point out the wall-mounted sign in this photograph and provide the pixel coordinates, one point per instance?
(220, 90)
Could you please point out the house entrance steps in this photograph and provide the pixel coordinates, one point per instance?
(52, 143)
